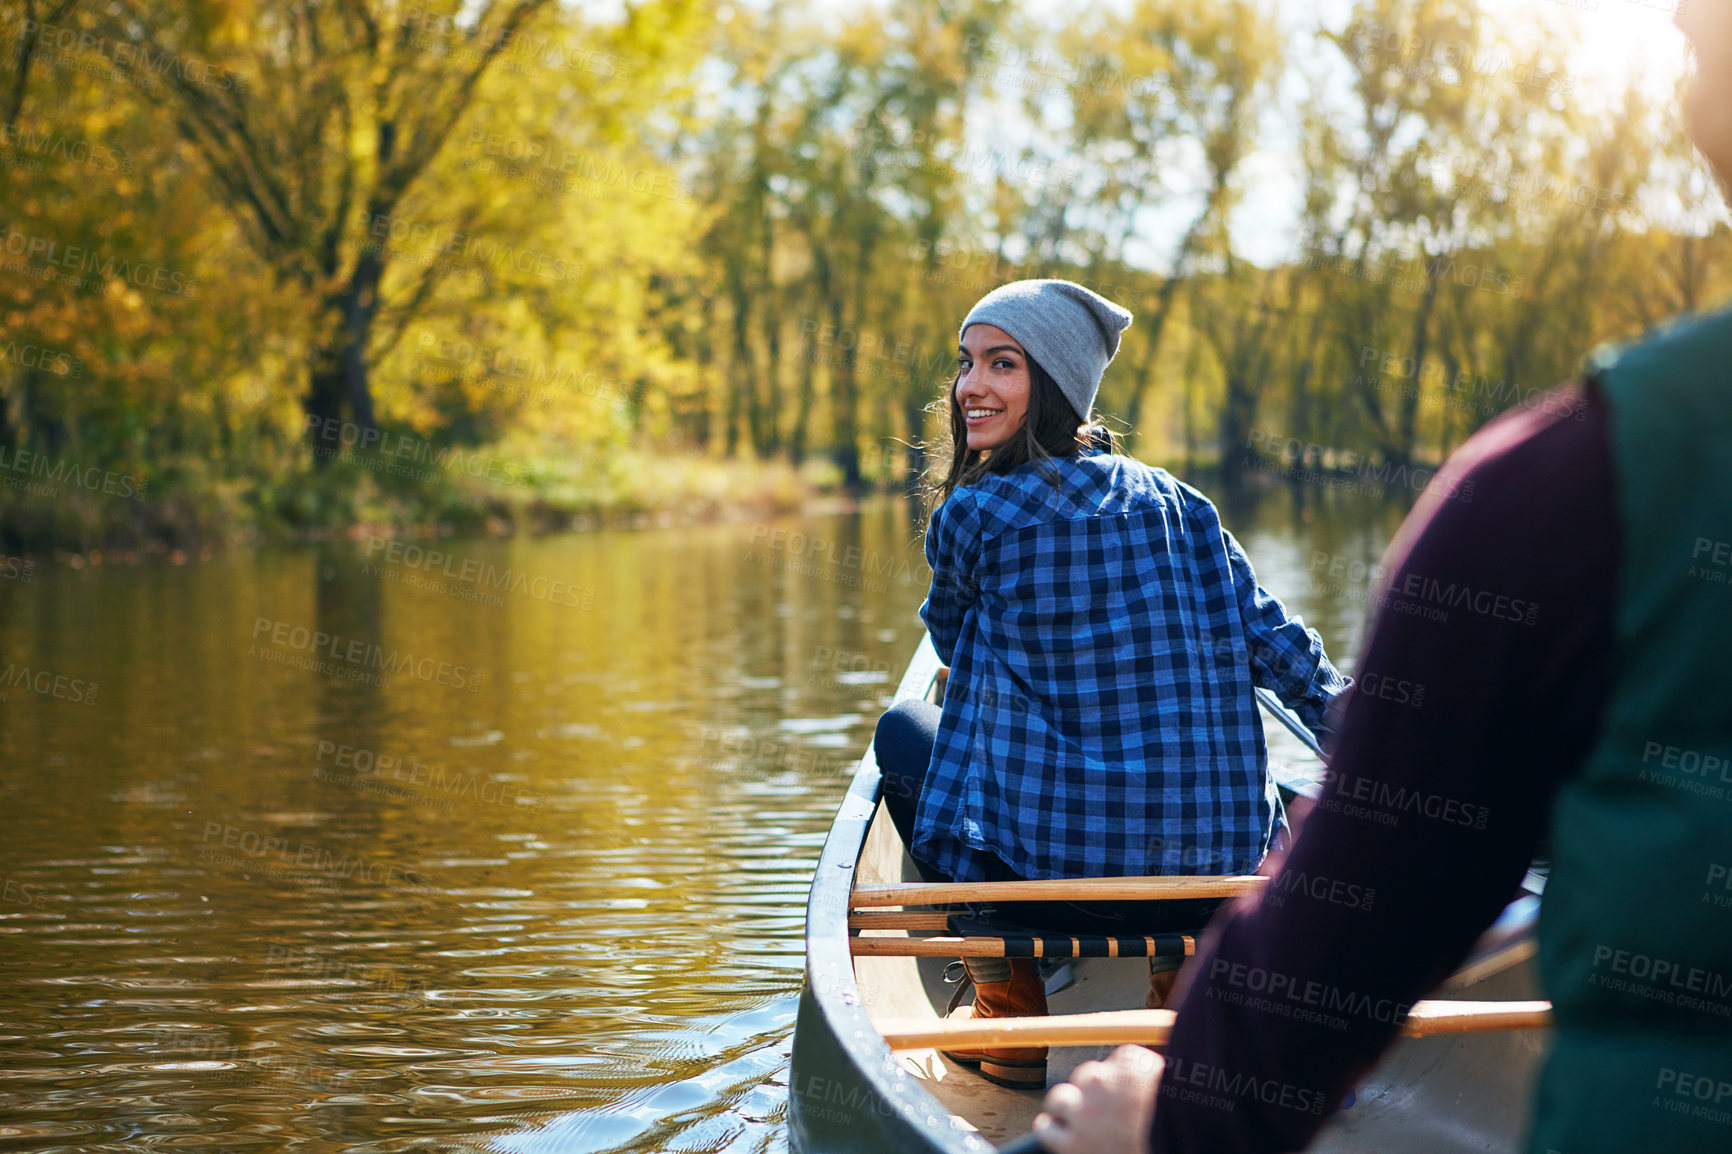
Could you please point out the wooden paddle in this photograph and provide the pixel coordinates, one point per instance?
(1151, 1027)
(1427, 1018)
(1142, 889)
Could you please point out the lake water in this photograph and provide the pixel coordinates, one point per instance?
(451, 845)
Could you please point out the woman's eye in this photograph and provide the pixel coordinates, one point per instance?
(1003, 364)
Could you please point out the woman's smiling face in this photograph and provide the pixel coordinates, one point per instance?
(992, 386)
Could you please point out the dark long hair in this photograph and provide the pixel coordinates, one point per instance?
(1050, 428)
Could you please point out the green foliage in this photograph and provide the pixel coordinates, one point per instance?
(694, 257)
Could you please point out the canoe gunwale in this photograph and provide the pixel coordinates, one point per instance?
(839, 1036)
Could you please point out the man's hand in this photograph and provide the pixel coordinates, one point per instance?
(1106, 1107)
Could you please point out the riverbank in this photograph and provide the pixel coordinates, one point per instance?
(70, 513)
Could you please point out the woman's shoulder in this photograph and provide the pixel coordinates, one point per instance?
(1087, 484)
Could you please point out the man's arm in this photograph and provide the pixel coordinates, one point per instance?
(1479, 690)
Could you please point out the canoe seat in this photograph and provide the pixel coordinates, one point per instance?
(1029, 942)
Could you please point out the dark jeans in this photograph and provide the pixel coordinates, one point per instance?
(903, 745)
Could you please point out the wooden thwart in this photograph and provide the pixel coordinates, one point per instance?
(1027, 946)
(1143, 889)
(899, 920)
(1151, 1027)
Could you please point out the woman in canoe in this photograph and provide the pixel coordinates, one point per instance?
(1104, 635)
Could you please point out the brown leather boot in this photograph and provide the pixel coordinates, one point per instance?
(1161, 983)
(1023, 996)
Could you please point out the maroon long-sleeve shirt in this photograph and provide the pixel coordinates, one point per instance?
(1480, 690)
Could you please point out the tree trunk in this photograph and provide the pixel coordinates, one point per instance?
(803, 408)
(772, 440)
(1236, 416)
(338, 382)
(742, 369)
(1408, 415)
(1157, 321)
(8, 431)
(844, 401)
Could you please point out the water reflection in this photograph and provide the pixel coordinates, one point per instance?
(269, 890)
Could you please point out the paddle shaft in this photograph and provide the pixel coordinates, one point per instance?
(1141, 889)
(1274, 707)
(1435, 1017)
(1151, 1027)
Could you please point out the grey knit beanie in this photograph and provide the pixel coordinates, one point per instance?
(1071, 332)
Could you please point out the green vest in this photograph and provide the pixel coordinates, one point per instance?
(1635, 935)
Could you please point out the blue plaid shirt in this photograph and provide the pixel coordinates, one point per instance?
(1104, 639)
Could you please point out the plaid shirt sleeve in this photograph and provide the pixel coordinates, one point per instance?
(952, 549)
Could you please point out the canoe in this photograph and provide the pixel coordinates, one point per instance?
(849, 1092)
